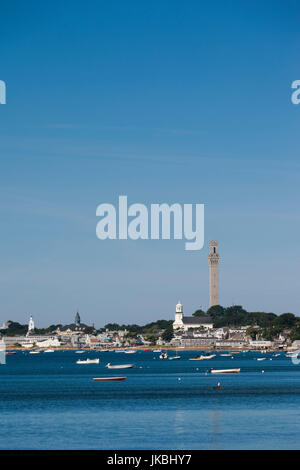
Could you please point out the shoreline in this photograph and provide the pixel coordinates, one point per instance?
(165, 348)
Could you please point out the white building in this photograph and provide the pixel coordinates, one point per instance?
(48, 343)
(260, 344)
(184, 323)
(30, 325)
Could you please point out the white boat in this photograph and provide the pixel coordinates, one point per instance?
(88, 361)
(119, 366)
(105, 379)
(49, 350)
(225, 371)
(130, 351)
(292, 353)
(174, 358)
(119, 350)
(163, 355)
(79, 352)
(225, 355)
(261, 359)
(210, 356)
(34, 352)
(157, 350)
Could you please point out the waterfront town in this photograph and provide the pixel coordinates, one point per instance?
(217, 328)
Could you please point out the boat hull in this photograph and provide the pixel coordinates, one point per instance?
(108, 379)
(119, 366)
(225, 371)
(91, 361)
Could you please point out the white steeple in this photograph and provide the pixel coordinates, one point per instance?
(178, 316)
(30, 324)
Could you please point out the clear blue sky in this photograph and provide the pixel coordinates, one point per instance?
(164, 101)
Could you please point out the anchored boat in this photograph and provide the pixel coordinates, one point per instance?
(224, 371)
(104, 379)
(201, 358)
(119, 366)
(163, 355)
(88, 361)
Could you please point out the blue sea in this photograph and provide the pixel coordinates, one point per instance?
(47, 401)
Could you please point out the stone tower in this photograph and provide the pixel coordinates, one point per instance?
(213, 262)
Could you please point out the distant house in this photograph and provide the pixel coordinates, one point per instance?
(185, 323)
(261, 344)
(47, 343)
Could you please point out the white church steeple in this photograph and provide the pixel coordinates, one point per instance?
(30, 325)
(178, 316)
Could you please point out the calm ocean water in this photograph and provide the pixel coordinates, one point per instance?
(50, 402)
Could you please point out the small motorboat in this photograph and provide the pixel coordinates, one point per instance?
(130, 351)
(34, 352)
(119, 366)
(163, 355)
(157, 350)
(292, 354)
(79, 352)
(261, 358)
(174, 358)
(10, 352)
(224, 371)
(88, 361)
(49, 350)
(202, 357)
(108, 379)
(225, 355)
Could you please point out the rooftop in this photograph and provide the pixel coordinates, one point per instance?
(197, 320)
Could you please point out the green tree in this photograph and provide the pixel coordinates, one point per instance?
(286, 320)
(295, 333)
(199, 313)
(112, 326)
(216, 311)
(167, 334)
(151, 338)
